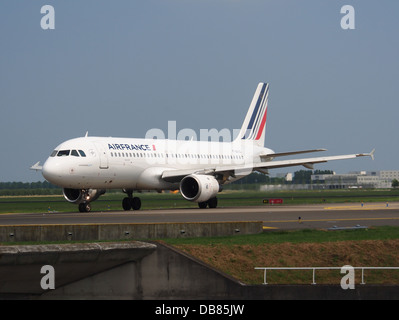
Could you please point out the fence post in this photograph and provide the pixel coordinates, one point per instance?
(264, 281)
(362, 276)
(314, 276)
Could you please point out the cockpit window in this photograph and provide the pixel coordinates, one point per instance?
(66, 153)
(74, 153)
(63, 153)
(82, 153)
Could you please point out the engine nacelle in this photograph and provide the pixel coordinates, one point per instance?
(199, 188)
(82, 195)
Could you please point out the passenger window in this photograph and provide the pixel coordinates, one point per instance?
(74, 153)
(82, 153)
(63, 153)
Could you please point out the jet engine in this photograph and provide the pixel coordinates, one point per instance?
(82, 195)
(199, 188)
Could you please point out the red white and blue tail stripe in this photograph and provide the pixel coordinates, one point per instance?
(254, 124)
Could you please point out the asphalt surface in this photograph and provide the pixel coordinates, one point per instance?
(273, 217)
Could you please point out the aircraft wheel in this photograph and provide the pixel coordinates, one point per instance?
(135, 203)
(213, 203)
(126, 204)
(84, 207)
(203, 205)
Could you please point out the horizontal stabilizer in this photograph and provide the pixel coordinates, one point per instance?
(36, 166)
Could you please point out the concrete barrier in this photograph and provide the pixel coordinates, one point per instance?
(20, 266)
(137, 270)
(97, 232)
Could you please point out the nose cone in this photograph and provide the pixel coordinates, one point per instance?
(51, 171)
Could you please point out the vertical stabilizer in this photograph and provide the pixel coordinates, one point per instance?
(254, 124)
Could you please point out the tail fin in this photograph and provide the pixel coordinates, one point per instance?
(254, 124)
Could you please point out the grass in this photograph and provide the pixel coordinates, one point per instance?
(228, 198)
(239, 255)
(294, 236)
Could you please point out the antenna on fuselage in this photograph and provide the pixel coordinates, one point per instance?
(87, 134)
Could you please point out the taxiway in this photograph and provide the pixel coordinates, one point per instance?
(273, 217)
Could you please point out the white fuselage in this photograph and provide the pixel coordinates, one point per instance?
(138, 164)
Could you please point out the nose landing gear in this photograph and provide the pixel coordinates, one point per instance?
(84, 207)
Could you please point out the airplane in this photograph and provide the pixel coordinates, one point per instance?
(86, 167)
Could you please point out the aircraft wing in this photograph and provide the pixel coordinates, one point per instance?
(177, 175)
(308, 162)
(282, 154)
(234, 170)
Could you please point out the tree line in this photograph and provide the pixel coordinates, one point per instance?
(27, 185)
(46, 188)
(28, 188)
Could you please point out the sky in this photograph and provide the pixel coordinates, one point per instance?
(120, 68)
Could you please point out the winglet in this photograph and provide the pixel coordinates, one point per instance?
(36, 166)
(371, 154)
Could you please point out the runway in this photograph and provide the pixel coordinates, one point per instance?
(273, 217)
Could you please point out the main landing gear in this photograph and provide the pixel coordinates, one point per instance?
(131, 202)
(211, 203)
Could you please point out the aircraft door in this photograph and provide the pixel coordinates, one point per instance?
(103, 155)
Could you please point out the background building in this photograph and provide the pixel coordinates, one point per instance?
(361, 179)
(353, 180)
